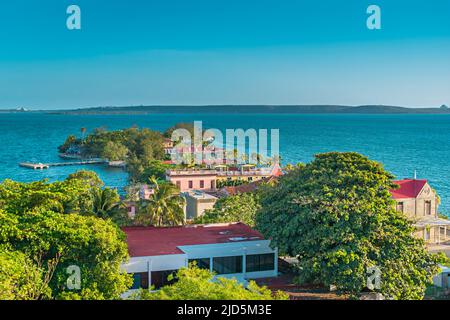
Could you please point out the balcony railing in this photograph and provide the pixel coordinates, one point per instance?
(260, 172)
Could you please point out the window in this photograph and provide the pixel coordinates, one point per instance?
(160, 278)
(140, 280)
(400, 207)
(178, 184)
(191, 184)
(427, 208)
(202, 184)
(250, 178)
(227, 265)
(260, 262)
(212, 184)
(202, 263)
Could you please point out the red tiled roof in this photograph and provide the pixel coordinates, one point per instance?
(152, 241)
(409, 188)
(246, 187)
(276, 170)
(243, 188)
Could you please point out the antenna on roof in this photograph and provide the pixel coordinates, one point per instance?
(415, 174)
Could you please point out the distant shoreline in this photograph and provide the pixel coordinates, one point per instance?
(244, 109)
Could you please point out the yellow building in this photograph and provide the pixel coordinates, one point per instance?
(419, 202)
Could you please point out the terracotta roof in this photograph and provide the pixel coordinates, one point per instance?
(245, 188)
(152, 241)
(409, 188)
(276, 170)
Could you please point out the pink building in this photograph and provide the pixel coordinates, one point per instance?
(207, 179)
(187, 180)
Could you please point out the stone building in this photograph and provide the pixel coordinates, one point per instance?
(419, 202)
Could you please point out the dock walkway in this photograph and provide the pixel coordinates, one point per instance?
(41, 166)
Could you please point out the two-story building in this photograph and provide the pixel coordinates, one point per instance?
(207, 179)
(193, 179)
(419, 202)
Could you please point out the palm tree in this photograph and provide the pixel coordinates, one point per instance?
(105, 201)
(232, 155)
(257, 158)
(188, 161)
(83, 132)
(165, 207)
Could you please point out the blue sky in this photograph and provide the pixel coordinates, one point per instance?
(189, 52)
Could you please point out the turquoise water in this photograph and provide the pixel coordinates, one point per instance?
(403, 143)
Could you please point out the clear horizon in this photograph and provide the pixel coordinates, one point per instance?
(215, 105)
(205, 52)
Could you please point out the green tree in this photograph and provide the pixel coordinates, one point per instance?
(71, 141)
(83, 132)
(187, 126)
(105, 202)
(114, 151)
(96, 246)
(194, 283)
(165, 207)
(135, 169)
(237, 208)
(230, 183)
(45, 222)
(90, 177)
(337, 216)
(20, 277)
(69, 196)
(155, 168)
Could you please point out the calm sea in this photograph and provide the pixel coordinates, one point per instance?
(403, 143)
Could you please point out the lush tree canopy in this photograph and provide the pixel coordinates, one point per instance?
(69, 196)
(194, 283)
(49, 227)
(90, 177)
(154, 168)
(114, 151)
(70, 142)
(337, 216)
(237, 208)
(20, 278)
(187, 126)
(106, 202)
(80, 193)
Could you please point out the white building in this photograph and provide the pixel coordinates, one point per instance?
(442, 280)
(229, 250)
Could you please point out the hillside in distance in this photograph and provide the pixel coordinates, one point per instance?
(299, 109)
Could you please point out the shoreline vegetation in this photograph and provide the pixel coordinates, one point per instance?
(242, 109)
(138, 149)
(141, 152)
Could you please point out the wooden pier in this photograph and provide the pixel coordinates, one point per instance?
(41, 166)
